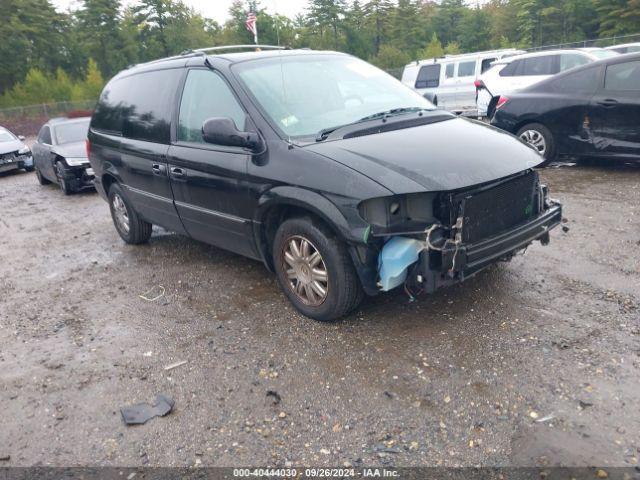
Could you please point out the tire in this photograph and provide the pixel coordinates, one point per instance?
(131, 228)
(343, 291)
(537, 135)
(62, 181)
(29, 169)
(41, 179)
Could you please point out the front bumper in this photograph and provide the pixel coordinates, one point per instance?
(452, 264)
(79, 177)
(16, 162)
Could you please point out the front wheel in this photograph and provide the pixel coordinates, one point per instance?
(540, 138)
(314, 270)
(62, 180)
(41, 179)
(131, 228)
(29, 169)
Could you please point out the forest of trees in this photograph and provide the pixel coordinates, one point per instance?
(48, 56)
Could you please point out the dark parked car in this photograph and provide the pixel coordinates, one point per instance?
(14, 154)
(60, 154)
(589, 111)
(328, 170)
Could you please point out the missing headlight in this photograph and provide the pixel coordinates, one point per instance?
(398, 213)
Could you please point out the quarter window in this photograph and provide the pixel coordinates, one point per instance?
(623, 77)
(584, 81)
(571, 60)
(206, 95)
(466, 69)
(428, 76)
(486, 64)
(45, 135)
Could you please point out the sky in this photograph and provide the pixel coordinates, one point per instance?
(217, 9)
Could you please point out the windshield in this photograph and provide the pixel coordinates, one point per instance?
(303, 95)
(71, 132)
(6, 136)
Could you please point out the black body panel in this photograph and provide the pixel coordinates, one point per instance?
(585, 112)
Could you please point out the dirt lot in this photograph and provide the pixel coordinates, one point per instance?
(535, 362)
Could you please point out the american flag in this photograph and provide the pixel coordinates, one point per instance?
(251, 23)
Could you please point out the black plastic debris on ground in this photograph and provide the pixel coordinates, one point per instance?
(143, 412)
(275, 396)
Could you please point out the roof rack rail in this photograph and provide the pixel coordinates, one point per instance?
(239, 47)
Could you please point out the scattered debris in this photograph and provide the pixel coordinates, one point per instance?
(142, 412)
(584, 405)
(533, 415)
(325, 451)
(565, 229)
(546, 418)
(175, 365)
(147, 354)
(152, 291)
(601, 473)
(282, 415)
(276, 396)
(4, 458)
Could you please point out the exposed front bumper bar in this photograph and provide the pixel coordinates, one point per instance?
(456, 264)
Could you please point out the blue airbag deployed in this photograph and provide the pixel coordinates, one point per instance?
(394, 260)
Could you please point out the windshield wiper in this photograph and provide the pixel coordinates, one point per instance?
(324, 133)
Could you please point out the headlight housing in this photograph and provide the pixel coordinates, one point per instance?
(24, 151)
(76, 162)
(399, 213)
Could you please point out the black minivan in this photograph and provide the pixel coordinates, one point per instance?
(331, 172)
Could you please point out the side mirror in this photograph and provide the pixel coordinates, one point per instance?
(223, 131)
(21, 137)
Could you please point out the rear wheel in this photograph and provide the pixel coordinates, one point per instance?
(314, 270)
(540, 138)
(131, 228)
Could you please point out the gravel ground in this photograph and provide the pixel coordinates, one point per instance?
(534, 362)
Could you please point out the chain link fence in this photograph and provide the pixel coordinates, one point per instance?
(597, 42)
(46, 110)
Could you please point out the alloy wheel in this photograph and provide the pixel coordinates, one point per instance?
(306, 271)
(120, 213)
(535, 139)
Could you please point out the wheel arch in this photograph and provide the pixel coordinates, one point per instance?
(281, 203)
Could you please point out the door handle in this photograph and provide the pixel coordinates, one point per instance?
(158, 169)
(177, 172)
(608, 103)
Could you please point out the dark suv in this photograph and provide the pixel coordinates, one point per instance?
(328, 170)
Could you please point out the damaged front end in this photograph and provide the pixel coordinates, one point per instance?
(429, 240)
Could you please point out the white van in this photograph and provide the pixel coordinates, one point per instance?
(521, 71)
(449, 81)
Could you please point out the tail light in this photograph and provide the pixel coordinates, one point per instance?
(87, 145)
(502, 101)
(478, 83)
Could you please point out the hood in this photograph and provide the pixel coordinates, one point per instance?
(12, 146)
(71, 150)
(441, 156)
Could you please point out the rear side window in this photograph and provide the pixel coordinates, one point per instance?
(428, 76)
(467, 69)
(511, 69)
(206, 95)
(449, 72)
(139, 106)
(623, 77)
(486, 64)
(539, 66)
(584, 81)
